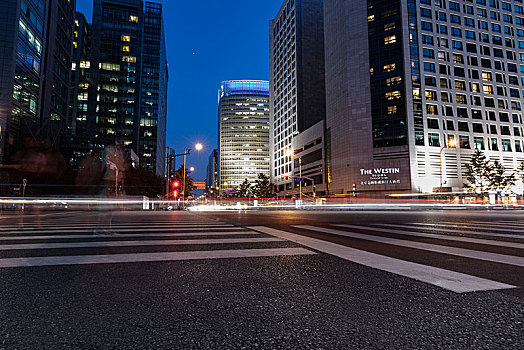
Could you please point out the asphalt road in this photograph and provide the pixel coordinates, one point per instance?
(267, 280)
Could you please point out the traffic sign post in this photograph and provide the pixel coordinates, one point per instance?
(24, 184)
(303, 179)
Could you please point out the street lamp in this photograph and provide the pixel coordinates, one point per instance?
(452, 143)
(198, 147)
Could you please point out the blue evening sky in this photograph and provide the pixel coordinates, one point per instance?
(208, 41)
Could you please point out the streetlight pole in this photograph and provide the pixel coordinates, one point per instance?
(449, 144)
(169, 151)
(300, 175)
(440, 188)
(198, 147)
(186, 152)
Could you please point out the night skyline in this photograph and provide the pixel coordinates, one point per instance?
(363, 166)
(199, 61)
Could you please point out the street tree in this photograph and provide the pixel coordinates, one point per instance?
(478, 172)
(179, 175)
(499, 181)
(143, 182)
(244, 190)
(263, 187)
(520, 170)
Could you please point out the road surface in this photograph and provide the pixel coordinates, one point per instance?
(268, 280)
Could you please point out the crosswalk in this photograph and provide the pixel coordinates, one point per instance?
(172, 237)
(461, 257)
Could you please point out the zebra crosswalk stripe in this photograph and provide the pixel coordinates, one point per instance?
(94, 224)
(103, 244)
(136, 229)
(465, 253)
(446, 279)
(476, 226)
(437, 227)
(150, 257)
(436, 236)
(47, 236)
(129, 235)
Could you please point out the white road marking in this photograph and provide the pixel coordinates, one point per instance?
(132, 235)
(436, 236)
(465, 253)
(477, 226)
(103, 244)
(149, 257)
(436, 227)
(117, 229)
(94, 224)
(511, 222)
(450, 280)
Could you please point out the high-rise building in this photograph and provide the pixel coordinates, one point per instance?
(414, 87)
(79, 138)
(153, 91)
(123, 77)
(297, 91)
(36, 44)
(243, 132)
(212, 174)
(57, 69)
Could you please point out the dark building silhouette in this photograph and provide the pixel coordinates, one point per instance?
(212, 174)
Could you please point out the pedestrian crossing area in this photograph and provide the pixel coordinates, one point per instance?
(470, 256)
(89, 239)
(461, 257)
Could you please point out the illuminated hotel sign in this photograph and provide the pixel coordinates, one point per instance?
(380, 176)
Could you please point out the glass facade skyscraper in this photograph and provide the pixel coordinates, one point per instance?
(212, 174)
(35, 41)
(243, 132)
(153, 91)
(57, 69)
(125, 97)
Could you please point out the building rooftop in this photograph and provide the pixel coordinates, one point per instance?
(244, 87)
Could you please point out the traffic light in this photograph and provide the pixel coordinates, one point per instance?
(175, 187)
(171, 166)
(354, 190)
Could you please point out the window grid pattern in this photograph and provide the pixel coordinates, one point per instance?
(244, 133)
(283, 90)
